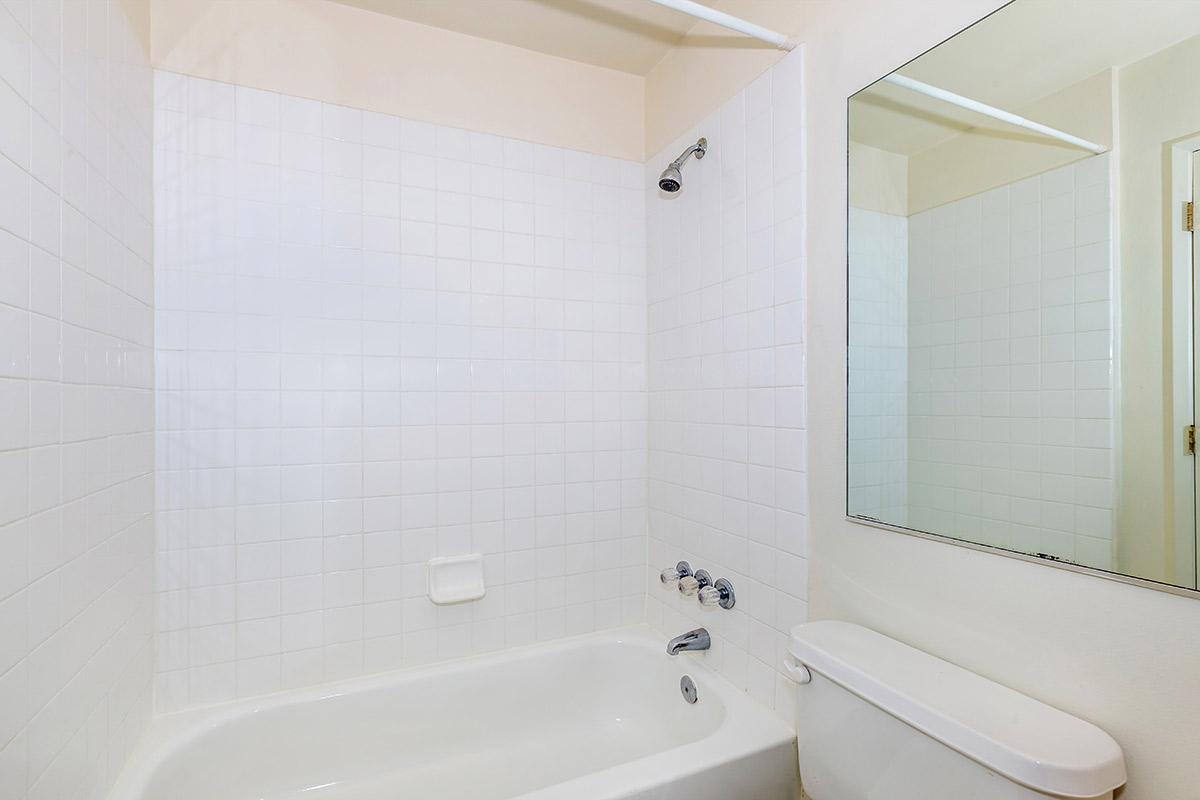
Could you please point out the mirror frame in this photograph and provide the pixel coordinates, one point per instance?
(1045, 560)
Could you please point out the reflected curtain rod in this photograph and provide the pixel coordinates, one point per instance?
(729, 21)
(991, 111)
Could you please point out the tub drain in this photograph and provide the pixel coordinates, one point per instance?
(688, 687)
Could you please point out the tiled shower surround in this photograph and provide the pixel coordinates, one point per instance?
(728, 488)
(381, 341)
(76, 393)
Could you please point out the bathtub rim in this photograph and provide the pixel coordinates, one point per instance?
(745, 729)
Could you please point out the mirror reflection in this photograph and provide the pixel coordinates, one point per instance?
(1021, 287)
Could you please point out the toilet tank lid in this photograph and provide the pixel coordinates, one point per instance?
(1023, 739)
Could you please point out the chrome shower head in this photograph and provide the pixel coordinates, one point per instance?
(672, 177)
(670, 180)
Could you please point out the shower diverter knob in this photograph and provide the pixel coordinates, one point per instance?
(692, 584)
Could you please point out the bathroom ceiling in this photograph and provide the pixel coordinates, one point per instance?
(1017, 56)
(626, 35)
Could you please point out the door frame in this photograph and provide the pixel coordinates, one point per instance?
(1185, 546)
(1185, 180)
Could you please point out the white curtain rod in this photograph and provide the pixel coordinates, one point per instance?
(992, 111)
(729, 21)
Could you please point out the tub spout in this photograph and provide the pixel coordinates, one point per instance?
(692, 640)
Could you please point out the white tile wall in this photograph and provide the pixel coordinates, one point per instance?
(381, 341)
(1010, 366)
(877, 419)
(728, 488)
(76, 382)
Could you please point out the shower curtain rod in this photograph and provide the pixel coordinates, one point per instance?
(729, 21)
(992, 111)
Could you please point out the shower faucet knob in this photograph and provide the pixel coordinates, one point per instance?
(691, 585)
(719, 594)
(671, 576)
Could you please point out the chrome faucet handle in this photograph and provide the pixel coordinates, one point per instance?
(719, 594)
(671, 576)
(692, 584)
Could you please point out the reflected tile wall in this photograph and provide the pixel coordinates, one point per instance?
(381, 341)
(877, 395)
(1010, 366)
(76, 384)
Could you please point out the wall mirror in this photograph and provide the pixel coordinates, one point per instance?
(1022, 288)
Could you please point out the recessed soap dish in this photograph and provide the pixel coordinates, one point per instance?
(457, 579)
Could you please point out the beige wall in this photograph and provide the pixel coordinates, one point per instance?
(878, 180)
(712, 63)
(339, 54)
(1123, 657)
(996, 155)
(138, 14)
(1159, 104)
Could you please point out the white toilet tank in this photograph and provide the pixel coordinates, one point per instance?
(879, 720)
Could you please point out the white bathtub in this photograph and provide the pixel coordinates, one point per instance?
(598, 716)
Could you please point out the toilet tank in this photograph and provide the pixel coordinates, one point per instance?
(879, 720)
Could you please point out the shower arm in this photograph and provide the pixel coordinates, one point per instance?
(699, 148)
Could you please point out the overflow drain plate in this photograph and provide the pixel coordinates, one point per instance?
(688, 687)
